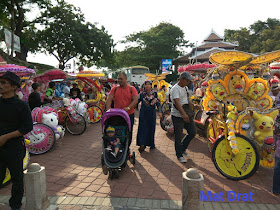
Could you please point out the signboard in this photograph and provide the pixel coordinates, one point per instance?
(166, 65)
(8, 39)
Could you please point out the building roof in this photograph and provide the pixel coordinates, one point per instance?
(220, 44)
(2, 61)
(205, 54)
(213, 36)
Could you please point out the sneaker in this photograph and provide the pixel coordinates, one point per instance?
(186, 154)
(108, 149)
(182, 160)
(114, 154)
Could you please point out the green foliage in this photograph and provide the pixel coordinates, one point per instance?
(66, 35)
(22, 27)
(260, 37)
(149, 47)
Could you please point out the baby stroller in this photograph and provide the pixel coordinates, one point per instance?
(119, 120)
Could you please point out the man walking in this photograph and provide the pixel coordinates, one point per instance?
(15, 121)
(182, 115)
(125, 97)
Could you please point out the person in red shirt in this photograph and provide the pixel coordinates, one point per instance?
(125, 97)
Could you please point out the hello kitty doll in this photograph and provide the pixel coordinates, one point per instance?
(70, 108)
(51, 119)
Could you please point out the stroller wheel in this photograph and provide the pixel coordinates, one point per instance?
(111, 173)
(117, 175)
(133, 158)
(124, 164)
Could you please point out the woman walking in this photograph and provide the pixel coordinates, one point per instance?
(147, 117)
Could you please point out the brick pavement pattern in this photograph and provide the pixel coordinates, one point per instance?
(73, 168)
(82, 203)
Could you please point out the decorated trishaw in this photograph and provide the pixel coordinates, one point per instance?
(159, 82)
(68, 115)
(241, 113)
(96, 105)
(21, 71)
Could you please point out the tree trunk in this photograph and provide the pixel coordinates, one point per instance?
(61, 66)
(23, 54)
(19, 27)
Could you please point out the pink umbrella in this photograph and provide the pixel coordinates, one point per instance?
(18, 70)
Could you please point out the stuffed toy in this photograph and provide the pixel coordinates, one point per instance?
(215, 75)
(246, 125)
(255, 91)
(51, 119)
(250, 72)
(232, 112)
(237, 84)
(266, 74)
(68, 106)
(218, 92)
(274, 83)
(264, 126)
(81, 107)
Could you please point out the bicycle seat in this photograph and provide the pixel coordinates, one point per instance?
(213, 112)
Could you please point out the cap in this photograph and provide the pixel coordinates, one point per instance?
(12, 77)
(110, 129)
(186, 75)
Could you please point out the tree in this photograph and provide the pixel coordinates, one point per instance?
(18, 22)
(159, 42)
(66, 35)
(260, 37)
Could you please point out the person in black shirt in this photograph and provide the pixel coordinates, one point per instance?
(75, 92)
(15, 121)
(34, 99)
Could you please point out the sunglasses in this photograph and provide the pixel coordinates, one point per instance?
(4, 82)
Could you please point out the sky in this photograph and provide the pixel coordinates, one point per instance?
(195, 18)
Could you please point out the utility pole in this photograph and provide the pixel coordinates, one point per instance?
(196, 52)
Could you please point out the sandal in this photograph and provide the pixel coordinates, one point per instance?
(141, 148)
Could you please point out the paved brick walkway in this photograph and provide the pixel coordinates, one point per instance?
(73, 168)
(81, 203)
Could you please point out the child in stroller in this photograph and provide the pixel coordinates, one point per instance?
(113, 143)
(117, 121)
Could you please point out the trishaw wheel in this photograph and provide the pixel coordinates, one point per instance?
(165, 107)
(237, 167)
(42, 139)
(95, 113)
(163, 120)
(76, 126)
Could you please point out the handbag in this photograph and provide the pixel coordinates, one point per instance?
(187, 110)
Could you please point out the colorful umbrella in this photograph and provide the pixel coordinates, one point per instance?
(21, 71)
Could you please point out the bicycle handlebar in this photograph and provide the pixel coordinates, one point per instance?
(212, 112)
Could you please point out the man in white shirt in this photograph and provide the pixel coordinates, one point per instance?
(181, 104)
(66, 89)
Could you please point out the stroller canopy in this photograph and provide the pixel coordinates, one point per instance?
(116, 112)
